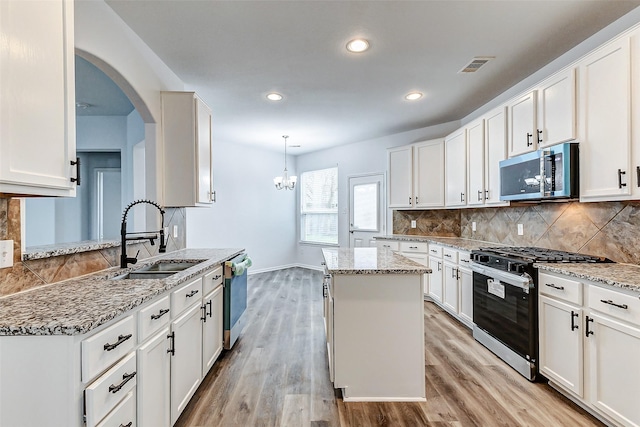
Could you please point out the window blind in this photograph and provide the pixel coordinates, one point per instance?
(319, 206)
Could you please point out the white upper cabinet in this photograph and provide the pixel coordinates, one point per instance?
(495, 151)
(400, 171)
(605, 123)
(523, 135)
(455, 168)
(428, 174)
(556, 119)
(37, 98)
(476, 163)
(188, 171)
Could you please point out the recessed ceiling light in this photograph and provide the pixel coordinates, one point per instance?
(357, 45)
(413, 96)
(273, 96)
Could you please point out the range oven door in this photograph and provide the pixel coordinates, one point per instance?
(505, 307)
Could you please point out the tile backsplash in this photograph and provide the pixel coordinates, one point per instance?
(33, 273)
(610, 229)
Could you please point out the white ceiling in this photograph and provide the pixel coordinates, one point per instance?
(232, 53)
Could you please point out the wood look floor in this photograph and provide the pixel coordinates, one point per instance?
(277, 373)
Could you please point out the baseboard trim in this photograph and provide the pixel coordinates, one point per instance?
(252, 271)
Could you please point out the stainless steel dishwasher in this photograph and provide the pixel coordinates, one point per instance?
(235, 297)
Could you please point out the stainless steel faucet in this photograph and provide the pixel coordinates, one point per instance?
(124, 260)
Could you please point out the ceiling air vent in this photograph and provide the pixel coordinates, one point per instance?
(476, 63)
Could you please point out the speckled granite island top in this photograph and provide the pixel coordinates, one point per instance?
(369, 261)
(77, 306)
(453, 242)
(625, 276)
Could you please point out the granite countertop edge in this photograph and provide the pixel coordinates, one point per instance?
(47, 251)
(617, 275)
(77, 306)
(372, 261)
(460, 243)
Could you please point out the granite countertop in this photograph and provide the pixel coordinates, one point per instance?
(454, 242)
(625, 276)
(369, 261)
(58, 249)
(76, 306)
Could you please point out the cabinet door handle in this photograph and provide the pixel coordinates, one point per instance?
(439, 266)
(587, 331)
(462, 197)
(620, 183)
(486, 194)
(413, 247)
(127, 425)
(121, 339)
(160, 314)
(479, 195)
(210, 304)
(204, 313)
(125, 379)
(464, 260)
(77, 165)
(551, 285)
(638, 175)
(416, 200)
(539, 136)
(172, 348)
(529, 143)
(192, 293)
(573, 324)
(622, 306)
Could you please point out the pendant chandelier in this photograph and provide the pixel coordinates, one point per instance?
(285, 182)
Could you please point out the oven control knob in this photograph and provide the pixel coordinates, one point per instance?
(515, 268)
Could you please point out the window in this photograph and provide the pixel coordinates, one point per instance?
(319, 206)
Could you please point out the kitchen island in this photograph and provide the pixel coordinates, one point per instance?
(373, 307)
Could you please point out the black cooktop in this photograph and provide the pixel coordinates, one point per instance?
(534, 254)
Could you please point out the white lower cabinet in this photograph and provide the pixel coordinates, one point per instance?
(450, 280)
(212, 326)
(435, 278)
(466, 293)
(154, 387)
(124, 414)
(589, 345)
(456, 284)
(186, 359)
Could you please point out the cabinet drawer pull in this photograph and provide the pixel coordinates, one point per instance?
(620, 183)
(623, 306)
(587, 332)
(172, 348)
(413, 247)
(192, 293)
(160, 314)
(121, 339)
(433, 251)
(125, 379)
(551, 285)
(216, 277)
(464, 260)
(127, 425)
(573, 324)
(447, 255)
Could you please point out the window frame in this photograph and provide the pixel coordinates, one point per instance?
(303, 213)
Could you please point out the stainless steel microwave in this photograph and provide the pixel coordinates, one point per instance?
(548, 173)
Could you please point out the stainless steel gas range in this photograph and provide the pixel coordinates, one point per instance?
(505, 301)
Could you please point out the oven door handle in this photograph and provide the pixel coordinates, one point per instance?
(523, 282)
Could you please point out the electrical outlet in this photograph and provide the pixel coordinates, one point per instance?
(473, 226)
(6, 253)
(520, 230)
(175, 231)
(413, 223)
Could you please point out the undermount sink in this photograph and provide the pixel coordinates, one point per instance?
(167, 266)
(159, 270)
(145, 275)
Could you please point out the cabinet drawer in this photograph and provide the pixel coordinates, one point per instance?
(420, 258)
(111, 388)
(186, 296)
(615, 304)
(464, 258)
(153, 317)
(435, 251)
(560, 287)
(124, 415)
(394, 246)
(450, 255)
(414, 247)
(212, 280)
(107, 347)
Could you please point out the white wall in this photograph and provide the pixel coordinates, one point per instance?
(249, 211)
(356, 159)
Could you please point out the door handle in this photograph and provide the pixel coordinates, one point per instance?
(573, 324)
(539, 136)
(529, 143)
(587, 332)
(620, 183)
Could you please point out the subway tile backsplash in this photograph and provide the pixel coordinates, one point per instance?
(610, 229)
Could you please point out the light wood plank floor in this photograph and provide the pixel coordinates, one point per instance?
(277, 374)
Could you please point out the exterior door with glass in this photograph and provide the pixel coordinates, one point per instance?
(366, 209)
